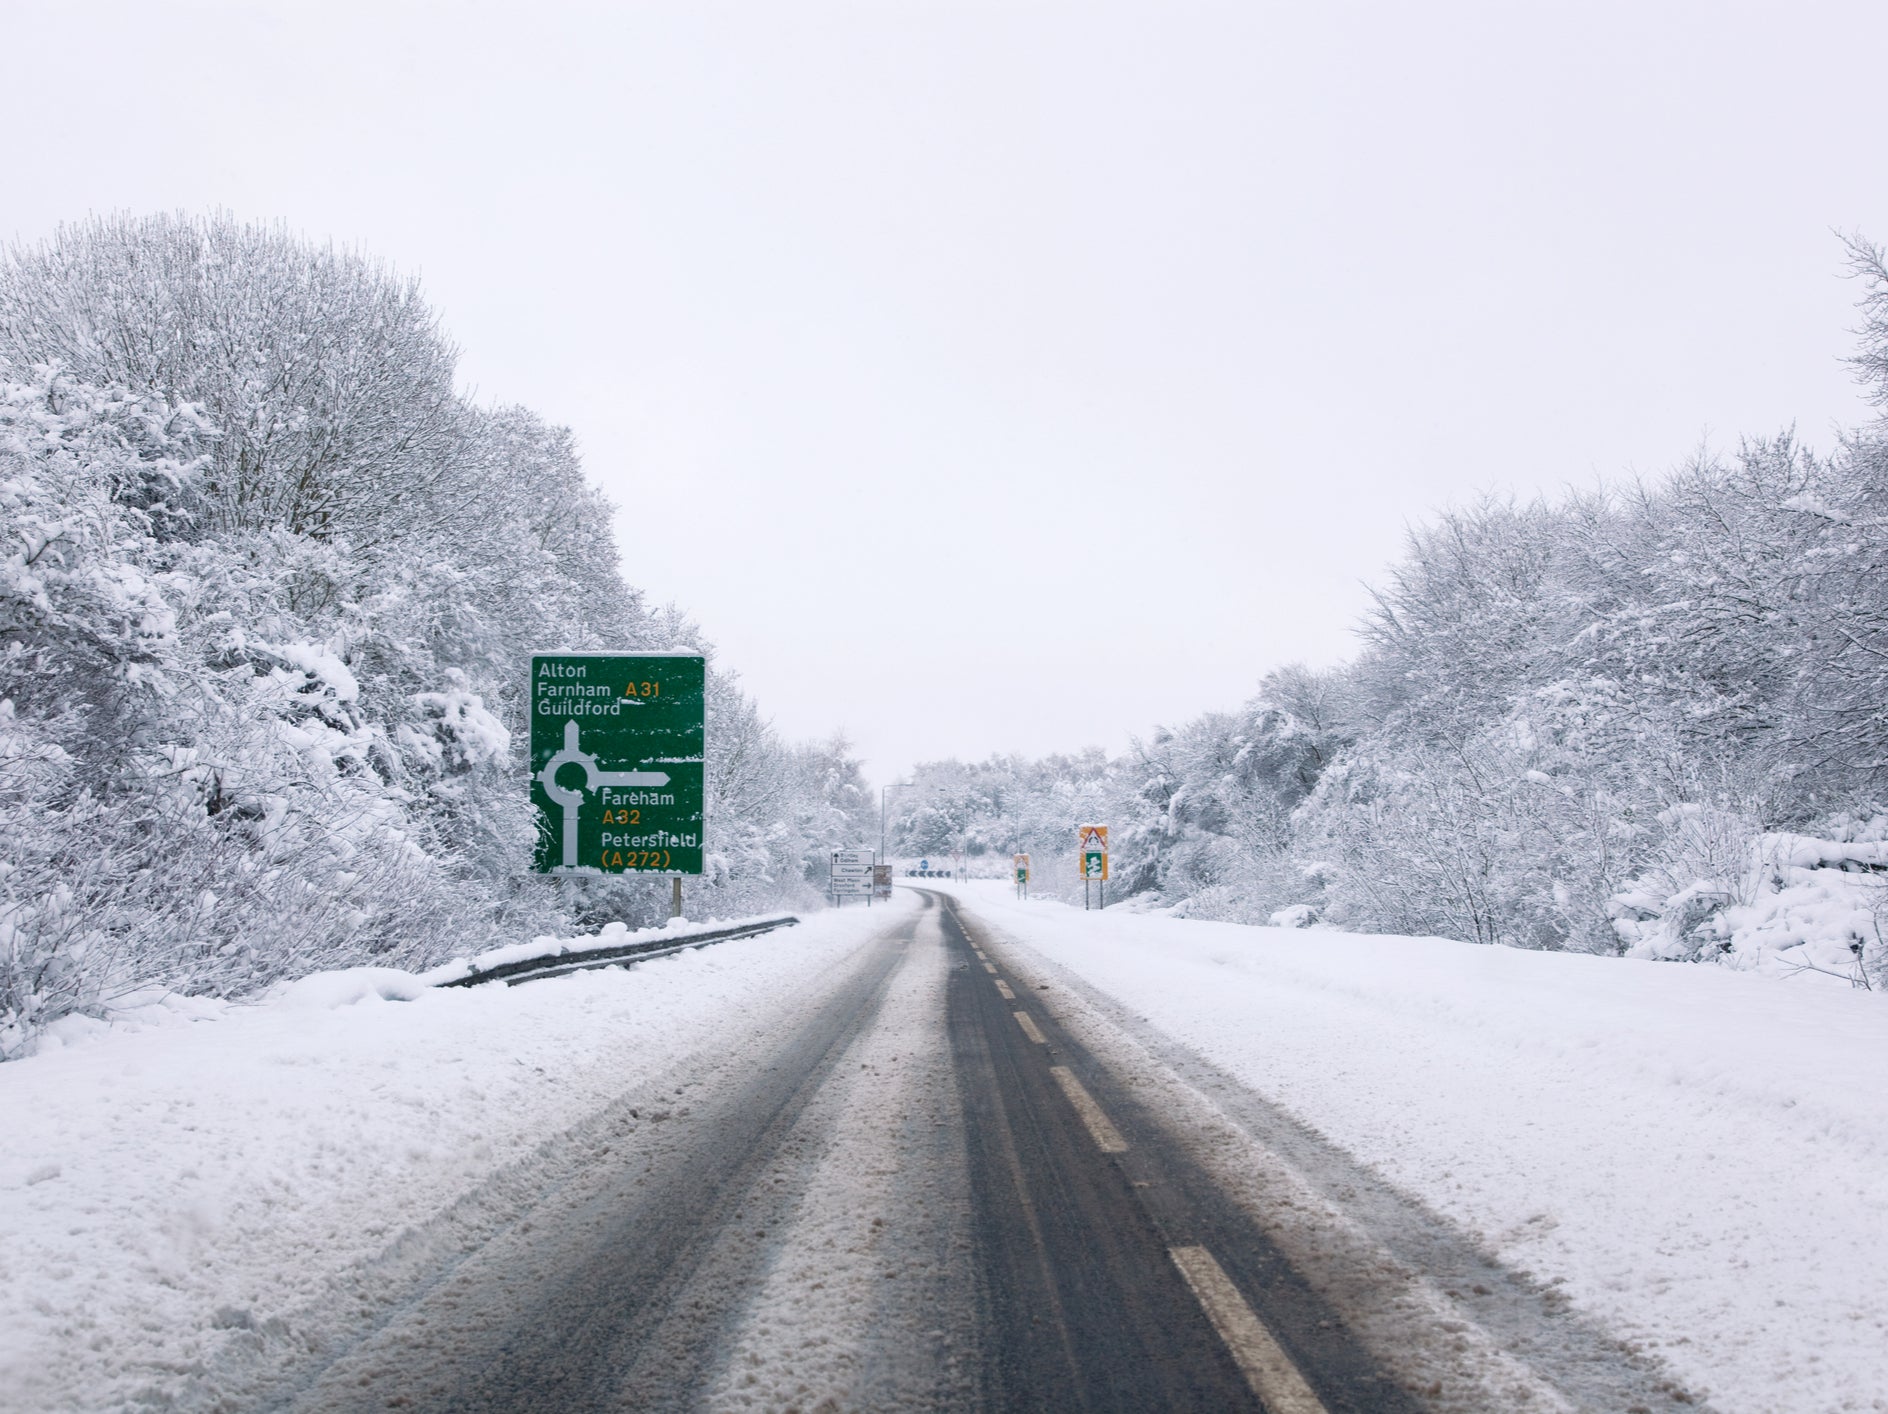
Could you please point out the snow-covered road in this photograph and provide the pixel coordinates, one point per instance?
(762, 1234)
(833, 1166)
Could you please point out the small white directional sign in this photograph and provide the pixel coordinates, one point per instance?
(852, 871)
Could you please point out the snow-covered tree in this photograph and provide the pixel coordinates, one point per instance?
(1649, 719)
(268, 588)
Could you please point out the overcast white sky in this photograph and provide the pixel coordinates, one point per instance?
(1017, 376)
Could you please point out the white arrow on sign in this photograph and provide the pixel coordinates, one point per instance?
(572, 800)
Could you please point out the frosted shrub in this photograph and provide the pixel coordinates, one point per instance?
(1700, 864)
(1778, 902)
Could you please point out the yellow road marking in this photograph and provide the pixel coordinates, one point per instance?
(1107, 1138)
(1028, 1023)
(1004, 988)
(989, 968)
(1268, 1369)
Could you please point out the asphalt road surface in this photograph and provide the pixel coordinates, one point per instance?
(955, 1184)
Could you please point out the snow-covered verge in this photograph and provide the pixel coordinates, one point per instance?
(1697, 1157)
(204, 1167)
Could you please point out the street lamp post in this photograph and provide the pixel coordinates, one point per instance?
(882, 792)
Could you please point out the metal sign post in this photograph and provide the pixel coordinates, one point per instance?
(1093, 855)
(617, 744)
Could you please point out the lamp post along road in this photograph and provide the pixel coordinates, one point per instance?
(882, 792)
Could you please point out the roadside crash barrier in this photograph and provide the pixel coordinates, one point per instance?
(557, 964)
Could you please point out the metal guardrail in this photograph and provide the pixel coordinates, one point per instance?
(531, 969)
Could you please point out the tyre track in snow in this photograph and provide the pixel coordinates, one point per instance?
(870, 1299)
(618, 1289)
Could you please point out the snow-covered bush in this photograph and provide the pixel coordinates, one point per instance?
(1777, 902)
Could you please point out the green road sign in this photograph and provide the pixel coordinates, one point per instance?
(616, 762)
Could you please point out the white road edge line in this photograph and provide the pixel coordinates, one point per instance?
(1028, 1023)
(1003, 988)
(1107, 1138)
(1268, 1369)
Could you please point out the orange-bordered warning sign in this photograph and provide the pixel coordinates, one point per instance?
(1093, 852)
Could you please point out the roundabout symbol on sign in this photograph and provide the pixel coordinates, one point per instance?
(572, 800)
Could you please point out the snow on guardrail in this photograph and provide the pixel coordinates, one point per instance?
(616, 945)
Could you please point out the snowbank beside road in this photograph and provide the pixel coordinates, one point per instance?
(615, 938)
(164, 1186)
(1697, 1157)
